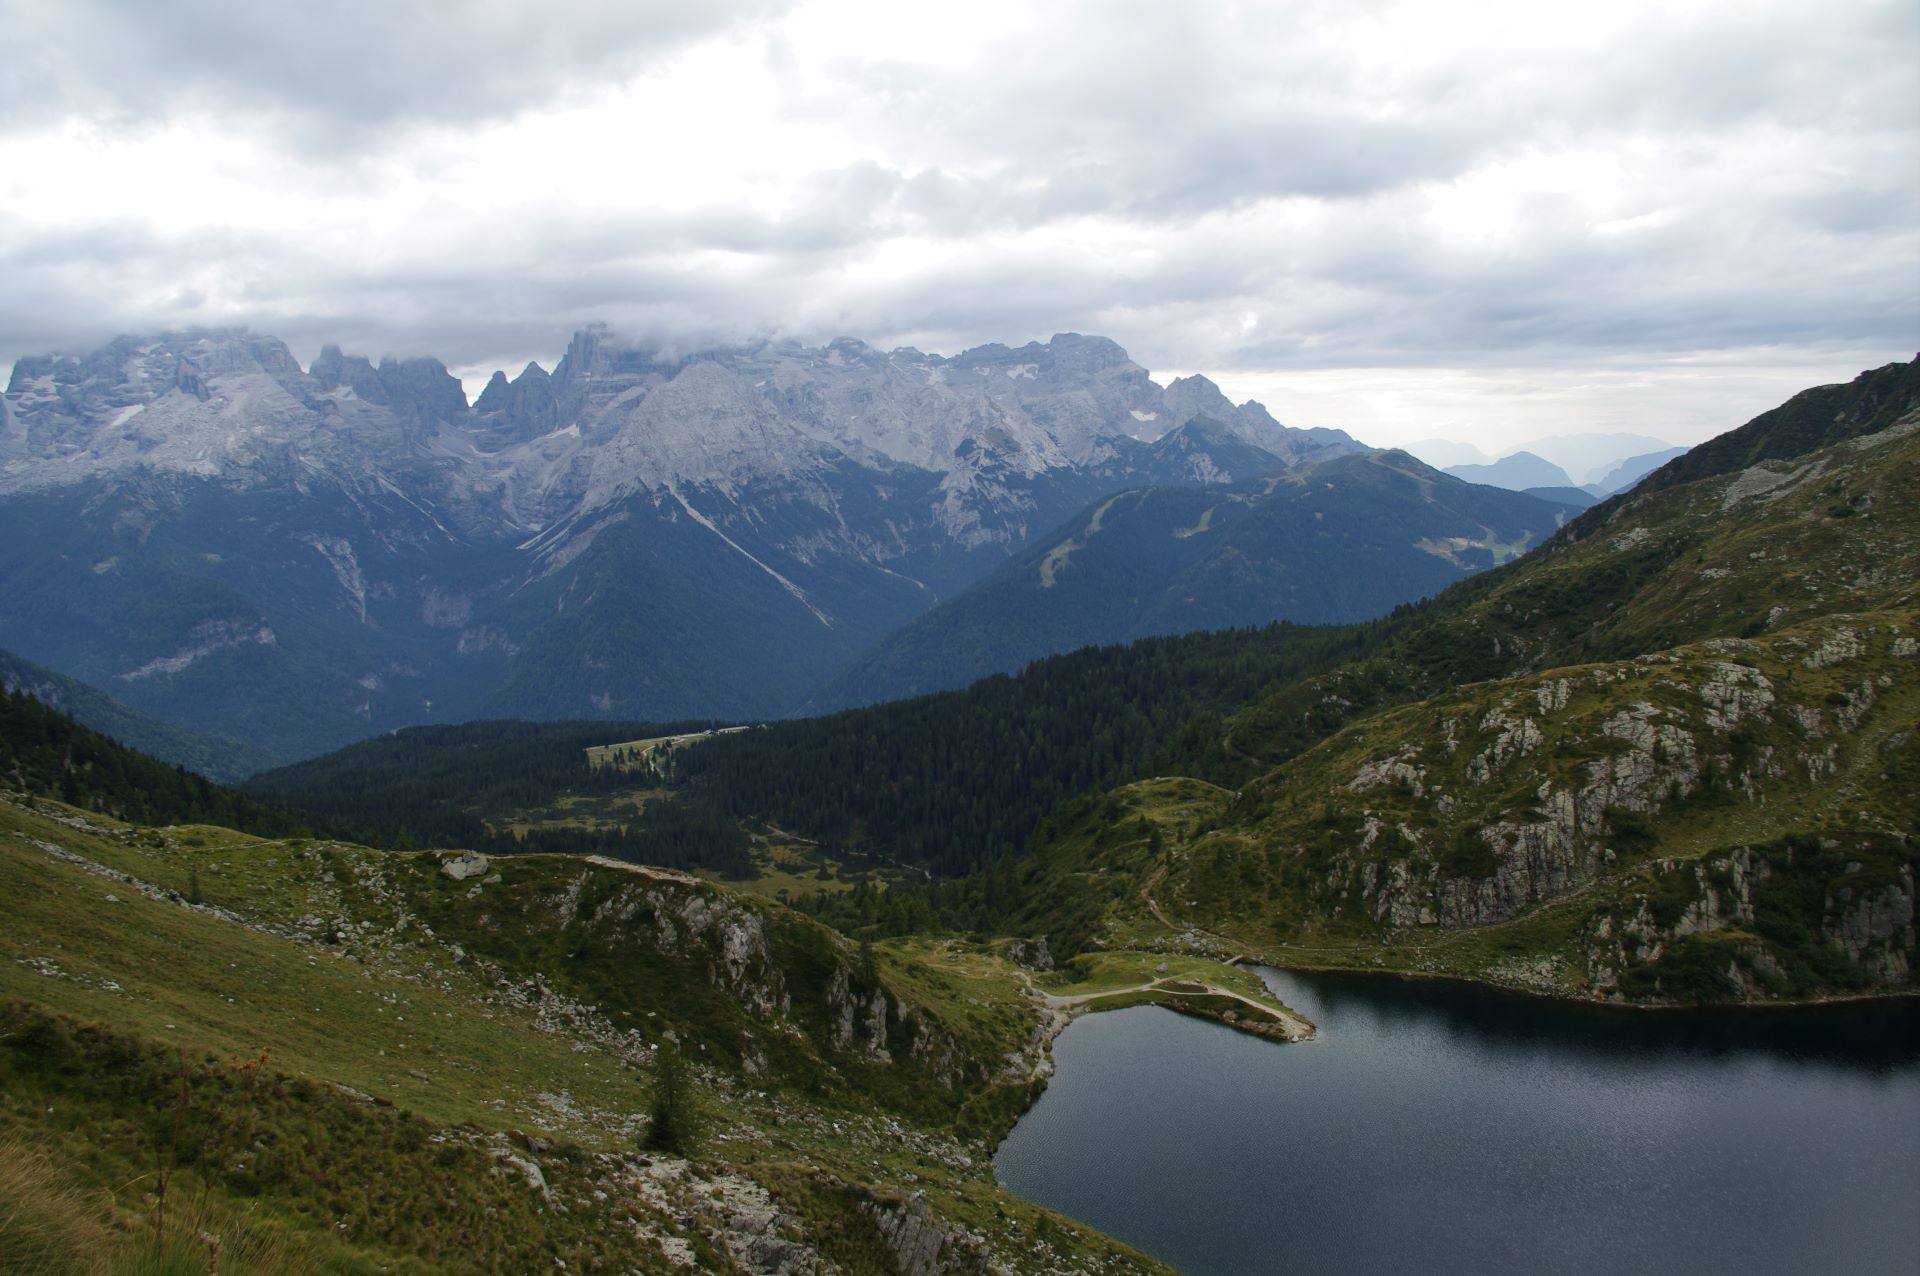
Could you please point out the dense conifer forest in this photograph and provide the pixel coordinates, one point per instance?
(45, 752)
(461, 785)
(954, 781)
(947, 783)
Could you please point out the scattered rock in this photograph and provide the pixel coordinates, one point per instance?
(469, 864)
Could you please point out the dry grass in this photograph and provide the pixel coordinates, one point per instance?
(47, 1228)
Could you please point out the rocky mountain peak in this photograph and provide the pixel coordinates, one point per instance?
(332, 370)
(1189, 397)
(852, 348)
(425, 389)
(618, 416)
(1073, 351)
(516, 411)
(1250, 422)
(496, 396)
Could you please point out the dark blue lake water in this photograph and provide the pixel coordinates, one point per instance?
(1444, 1128)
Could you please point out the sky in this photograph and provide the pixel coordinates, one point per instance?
(1487, 222)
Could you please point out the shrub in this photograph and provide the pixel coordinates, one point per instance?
(1468, 854)
(1630, 831)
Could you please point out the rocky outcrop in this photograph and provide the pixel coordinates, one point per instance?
(1873, 925)
(859, 1016)
(921, 1244)
(1032, 954)
(1479, 809)
(1803, 917)
(728, 930)
(852, 1013)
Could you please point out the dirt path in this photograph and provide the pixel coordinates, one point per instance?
(657, 874)
(1153, 906)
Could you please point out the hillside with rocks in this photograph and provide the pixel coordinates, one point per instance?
(1671, 756)
(313, 1056)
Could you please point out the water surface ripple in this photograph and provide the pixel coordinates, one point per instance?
(1445, 1128)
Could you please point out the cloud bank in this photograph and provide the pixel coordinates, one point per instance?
(1459, 213)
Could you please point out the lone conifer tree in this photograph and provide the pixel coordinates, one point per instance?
(675, 1124)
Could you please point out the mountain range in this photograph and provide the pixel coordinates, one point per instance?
(288, 559)
(1666, 756)
(1516, 471)
(1632, 470)
(295, 558)
(1339, 541)
(1585, 457)
(1526, 471)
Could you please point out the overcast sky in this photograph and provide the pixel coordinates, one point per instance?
(1485, 222)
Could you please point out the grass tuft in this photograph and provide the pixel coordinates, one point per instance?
(47, 1227)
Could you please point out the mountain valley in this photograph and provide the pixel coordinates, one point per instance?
(293, 559)
(804, 638)
(1665, 756)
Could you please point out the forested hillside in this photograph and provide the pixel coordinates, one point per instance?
(466, 785)
(1670, 758)
(945, 782)
(1341, 541)
(45, 752)
(212, 756)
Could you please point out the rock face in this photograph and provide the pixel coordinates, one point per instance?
(1790, 918)
(668, 927)
(922, 1245)
(1033, 954)
(1564, 776)
(633, 534)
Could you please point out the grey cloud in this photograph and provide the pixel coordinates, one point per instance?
(1815, 66)
(340, 74)
(1785, 154)
(1181, 108)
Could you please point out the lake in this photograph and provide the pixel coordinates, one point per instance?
(1438, 1127)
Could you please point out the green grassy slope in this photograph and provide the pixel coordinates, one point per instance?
(375, 1066)
(1723, 555)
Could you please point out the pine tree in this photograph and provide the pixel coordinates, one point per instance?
(675, 1123)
